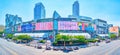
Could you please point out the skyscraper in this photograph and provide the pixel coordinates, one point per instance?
(39, 11)
(75, 9)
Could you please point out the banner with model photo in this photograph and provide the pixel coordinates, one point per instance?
(44, 26)
(68, 25)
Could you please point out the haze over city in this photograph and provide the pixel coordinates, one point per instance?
(108, 10)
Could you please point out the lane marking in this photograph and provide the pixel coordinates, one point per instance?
(12, 52)
(112, 50)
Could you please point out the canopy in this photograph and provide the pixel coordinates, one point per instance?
(76, 34)
(103, 35)
(31, 34)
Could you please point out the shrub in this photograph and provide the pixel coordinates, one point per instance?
(58, 37)
(70, 40)
(23, 38)
(80, 39)
(55, 43)
(15, 38)
(91, 40)
(42, 41)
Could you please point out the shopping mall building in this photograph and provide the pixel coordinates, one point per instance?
(42, 27)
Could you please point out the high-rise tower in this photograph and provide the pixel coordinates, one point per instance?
(39, 11)
(75, 9)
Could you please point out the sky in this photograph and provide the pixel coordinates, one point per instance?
(108, 10)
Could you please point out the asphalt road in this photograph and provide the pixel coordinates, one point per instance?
(116, 52)
(112, 48)
(10, 48)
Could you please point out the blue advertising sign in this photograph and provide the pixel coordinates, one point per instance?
(27, 27)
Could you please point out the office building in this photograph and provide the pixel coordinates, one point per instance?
(75, 9)
(102, 27)
(11, 21)
(39, 11)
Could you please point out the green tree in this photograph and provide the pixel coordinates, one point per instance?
(71, 39)
(80, 38)
(1, 33)
(113, 36)
(9, 36)
(25, 38)
(42, 41)
(58, 37)
(91, 40)
(15, 38)
(64, 38)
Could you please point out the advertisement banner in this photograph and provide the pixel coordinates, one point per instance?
(89, 27)
(27, 27)
(19, 28)
(44, 26)
(114, 29)
(80, 26)
(67, 25)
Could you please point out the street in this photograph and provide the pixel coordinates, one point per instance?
(112, 48)
(10, 48)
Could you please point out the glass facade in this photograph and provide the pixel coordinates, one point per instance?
(39, 11)
(56, 15)
(75, 9)
(102, 26)
(11, 21)
(26, 27)
(44, 26)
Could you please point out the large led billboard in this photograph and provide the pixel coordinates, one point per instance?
(67, 25)
(81, 26)
(44, 26)
(27, 27)
(89, 27)
(114, 29)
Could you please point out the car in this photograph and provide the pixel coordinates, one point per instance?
(96, 44)
(83, 46)
(62, 48)
(39, 47)
(69, 49)
(28, 44)
(75, 48)
(108, 41)
(48, 48)
(55, 48)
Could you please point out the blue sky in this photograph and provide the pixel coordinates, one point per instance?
(108, 10)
